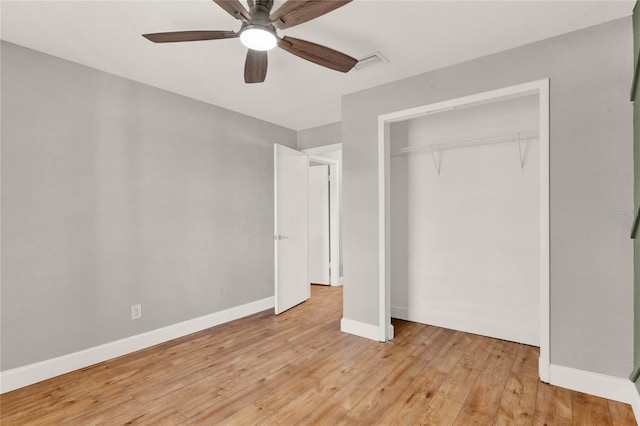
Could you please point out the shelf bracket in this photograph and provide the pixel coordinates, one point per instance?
(437, 162)
(522, 152)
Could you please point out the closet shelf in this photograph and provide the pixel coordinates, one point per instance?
(519, 137)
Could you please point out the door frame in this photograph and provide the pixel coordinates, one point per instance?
(334, 214)
(539, 87)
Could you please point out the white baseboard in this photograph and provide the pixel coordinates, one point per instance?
(37, 372)
(471, 325)
(609, 387)
(543, 370)
(635, 402)
(361, 329)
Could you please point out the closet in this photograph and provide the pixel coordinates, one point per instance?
(465, 215)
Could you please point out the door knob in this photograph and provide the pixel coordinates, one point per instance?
(280, 237)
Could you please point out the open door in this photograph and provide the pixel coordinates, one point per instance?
(291, 227)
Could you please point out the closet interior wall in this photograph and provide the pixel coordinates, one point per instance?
(465, 250)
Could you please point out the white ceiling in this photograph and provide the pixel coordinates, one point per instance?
(415, 36)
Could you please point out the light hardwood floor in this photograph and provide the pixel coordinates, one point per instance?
(298, 368)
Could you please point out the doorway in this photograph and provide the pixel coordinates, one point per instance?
(325, 254)
(291, 213)
(541, 90)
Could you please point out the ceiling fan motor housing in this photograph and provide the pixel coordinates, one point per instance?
(259, 11)
(264, 3)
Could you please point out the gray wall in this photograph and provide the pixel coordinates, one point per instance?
(591, 175)
(328, 134)
(115, 193)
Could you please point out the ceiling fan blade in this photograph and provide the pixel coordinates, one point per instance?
(177, 36)
(295, 12)
(318, 54)
(255, 67)
(233, 7)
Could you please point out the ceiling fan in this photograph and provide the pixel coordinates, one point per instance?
(258, 33)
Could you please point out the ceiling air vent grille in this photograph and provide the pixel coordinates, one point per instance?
(370, 61)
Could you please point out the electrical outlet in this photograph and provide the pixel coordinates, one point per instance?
(136, 311)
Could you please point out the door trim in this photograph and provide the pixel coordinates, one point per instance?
(540, 87)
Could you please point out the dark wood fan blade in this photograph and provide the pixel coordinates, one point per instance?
(233, 7)
(178, 36)
(318, 54)
(255, 67)
(295, 12)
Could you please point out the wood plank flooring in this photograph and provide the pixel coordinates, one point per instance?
(297, 368)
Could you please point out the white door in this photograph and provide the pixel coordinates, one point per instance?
(291, 241)
(319, 225)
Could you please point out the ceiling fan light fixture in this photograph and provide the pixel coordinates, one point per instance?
(259, 38)
(258, 32)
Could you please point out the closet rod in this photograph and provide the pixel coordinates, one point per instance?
(521, 136)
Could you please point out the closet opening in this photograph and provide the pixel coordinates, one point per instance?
(464, 220)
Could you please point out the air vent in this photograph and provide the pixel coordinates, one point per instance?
(370, 61)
